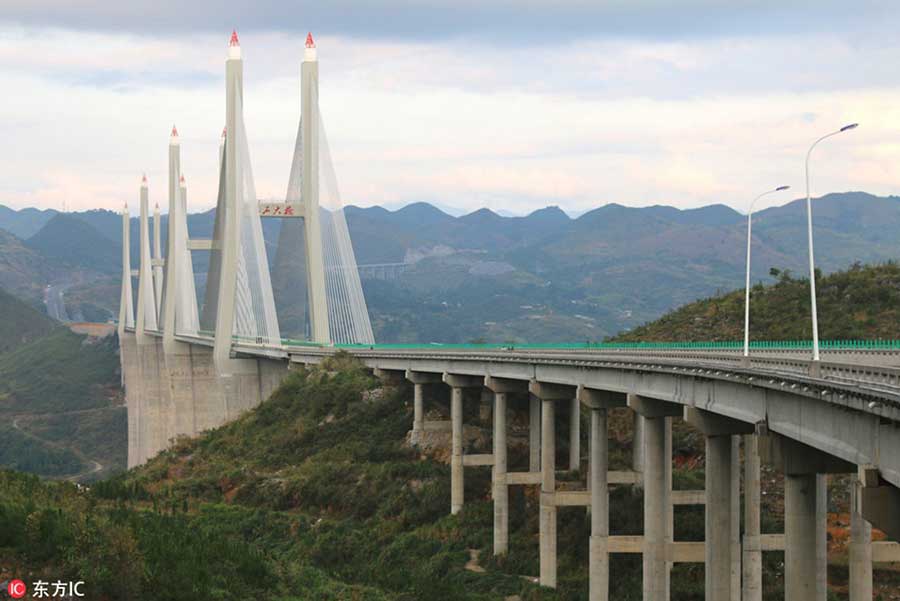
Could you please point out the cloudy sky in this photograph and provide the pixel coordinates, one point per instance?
(513, 105)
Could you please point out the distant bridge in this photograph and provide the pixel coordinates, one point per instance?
(186, 370)
(382, 271)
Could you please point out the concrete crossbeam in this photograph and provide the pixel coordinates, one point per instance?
(475, 460)
(796, 459)
(462, 381)
(505, 385)
(423, 377)
(878, 505)
(600, 399)
(551, 392)
(523, 478)
(885, 552)
(688, 497)
(712, 424)
(624, 477)
(389, 377)
(653, 408)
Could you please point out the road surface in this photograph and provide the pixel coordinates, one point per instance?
(54, 301)
(95, 466)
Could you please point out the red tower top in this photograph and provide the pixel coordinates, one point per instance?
(224, 131)
(234, 39)
(174, 132)
(309, 41)
(144, 179)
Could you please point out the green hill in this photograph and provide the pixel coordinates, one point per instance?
(20, 323)
(59, 372)
(862, 302)
(60, 406)
(24, 271)
(70, 240)
(312, 495)
(315, 495)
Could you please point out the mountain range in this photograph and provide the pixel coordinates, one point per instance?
(542, 277)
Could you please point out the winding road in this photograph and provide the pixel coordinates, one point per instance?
(95, 466)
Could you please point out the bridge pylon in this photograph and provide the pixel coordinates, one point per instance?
(309, 132)
(146, 302)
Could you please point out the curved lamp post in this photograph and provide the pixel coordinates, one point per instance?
(809, 233)
(747, 288)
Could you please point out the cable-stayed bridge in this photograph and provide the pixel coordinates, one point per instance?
(192, 364)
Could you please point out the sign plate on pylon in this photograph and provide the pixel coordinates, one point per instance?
(280, 209)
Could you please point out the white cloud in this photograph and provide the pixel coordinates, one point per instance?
(631, 121)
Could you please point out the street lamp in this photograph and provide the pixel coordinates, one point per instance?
(809, 233)
(747, 288)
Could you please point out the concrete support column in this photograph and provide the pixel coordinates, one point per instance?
(736, 518)
(457, 383)
(719, 507)
(822, 536)
(599, 541)
(500, 491)
(534, 434)
(656, 507)
(575, 434)
(637, 444)
(860, 548)
(550, 394)
(599, 402)
(657, 464)
(805, 512)
(801, 524)
(752, 554)
(548, 488)
(418, 411)
(456, 460)
(723, 507)
(419, 380)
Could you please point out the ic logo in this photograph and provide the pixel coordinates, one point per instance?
(16, 589)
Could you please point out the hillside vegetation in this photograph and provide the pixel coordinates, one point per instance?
(60, 405)
(862, 302)
(312, 495)
(20, 323)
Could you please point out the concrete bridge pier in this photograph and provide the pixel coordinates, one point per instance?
(575, 434)
(207, 399)
(131, 375)
(751, 586)
(722, 502)
(534, 433)
(805, 514)
(657, 496)
(549, 394)
(599, 402)
(457, 384)
(499, 487)
(860, 548)
(637, 443)
(419, 380)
